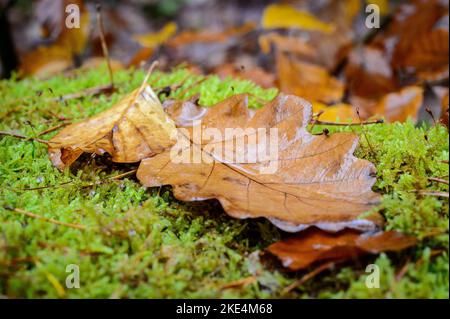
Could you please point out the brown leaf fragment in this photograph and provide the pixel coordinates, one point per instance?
(286, 44)
(51, 60)
(395, 106)
(417, 40)
(255, 74)
(206, 36)
(399, 106)
(295, 179)
(314, 246)
(307, 80)
(135, 128)
(369, 73)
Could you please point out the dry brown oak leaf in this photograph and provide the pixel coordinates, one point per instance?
(315, 246)
(135, 128)
(316, 181)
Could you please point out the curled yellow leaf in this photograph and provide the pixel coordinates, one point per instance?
(286, 16)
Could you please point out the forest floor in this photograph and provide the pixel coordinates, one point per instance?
(133, 242)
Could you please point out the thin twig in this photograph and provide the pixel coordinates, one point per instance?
(104, 45)
(94, 91)
(430, 112)
(52, 129)
(187, 89)
(433, 193)
(57, 116)
(315, 118)
(403, 270)
(147, 76)
(168, 90)
(239, 283)
(347, 124)
(108, 179)
(310, 275)
(111, 178)
(434, 253)
(22, 137)
(438, 180)
(364, 133)
(47, 186)
(318, 114)
(50, 220)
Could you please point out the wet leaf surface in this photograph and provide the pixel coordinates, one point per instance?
(316, 181)
(315, 246)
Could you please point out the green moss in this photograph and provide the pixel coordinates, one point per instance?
(143, 243)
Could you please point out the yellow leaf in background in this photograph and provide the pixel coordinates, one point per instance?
(340, 112)
(382, 4)
(286, 44)
(308, 80)
(285, 16)
(155, 39)
(353, 7)
(46, 61)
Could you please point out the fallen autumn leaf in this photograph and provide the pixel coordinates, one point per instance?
(314, 246)
(135, 128)
(317, 182)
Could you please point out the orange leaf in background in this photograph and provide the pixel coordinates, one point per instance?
(140, 56)
(417, 39)
(329, 48)
(255, 74)
(135, 128)
(401, 105)
(286, 16)
(53, 59)
(46, 61)
(395, 106)
(286, 44)
(314, 246)
(341, 112)
(412, 23)
(429, 56)
(369, 73)
(307, 80)
(309, 180)
(190, 36)
(155, 39)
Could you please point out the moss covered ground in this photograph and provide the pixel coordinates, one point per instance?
(141, 243)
